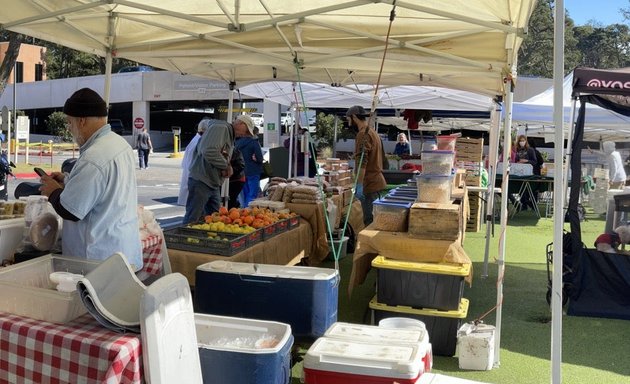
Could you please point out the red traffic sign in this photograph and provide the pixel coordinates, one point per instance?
(138, 122)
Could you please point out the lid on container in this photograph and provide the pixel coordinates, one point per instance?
(402, 323)
(169, 338)
(368, 359)
(378, 334)
(399, 199)
(268, 270)
(392, 204)
(437, 178)
(454, 269)
(460, 313)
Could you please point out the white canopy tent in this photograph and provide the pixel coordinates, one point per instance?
(463, 44)
(600, 124)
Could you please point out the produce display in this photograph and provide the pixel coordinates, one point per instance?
(244, 218)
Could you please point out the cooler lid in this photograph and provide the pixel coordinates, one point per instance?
(169, 340)
(454, 269)
(268, 270)
(377, 334)
(460, 313)
(362, 358)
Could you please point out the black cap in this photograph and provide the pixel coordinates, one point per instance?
(85, 103)
(357, 110)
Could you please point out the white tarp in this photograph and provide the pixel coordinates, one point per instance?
(462, 44)
(319, 95)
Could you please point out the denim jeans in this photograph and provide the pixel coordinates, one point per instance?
(143, 157)
(202, 201)
(367, 201)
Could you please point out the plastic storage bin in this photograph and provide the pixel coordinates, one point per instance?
(391, 216)
(441, 325)
(303, 297)
(339, 361)
(343, 251)
(236, 350)
(27, 290)
(434, 189)
(420, 285)
(437, 162)
(11, 231)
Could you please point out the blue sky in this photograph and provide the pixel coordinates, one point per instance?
(603, 11)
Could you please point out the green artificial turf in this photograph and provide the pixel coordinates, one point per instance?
(594, 350)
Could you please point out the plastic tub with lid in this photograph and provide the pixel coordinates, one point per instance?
(434, 189)
(437, 162)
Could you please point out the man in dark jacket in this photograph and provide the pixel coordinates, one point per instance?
(249, 146)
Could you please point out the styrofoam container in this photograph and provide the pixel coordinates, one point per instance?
(434, 189)
(420, 285)
(340, 361)
(441, 325)
(303, 297)
(28, 291)
(476, 349)
(11, 231)
(237, 350)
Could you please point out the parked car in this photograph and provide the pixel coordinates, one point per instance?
(259, 119)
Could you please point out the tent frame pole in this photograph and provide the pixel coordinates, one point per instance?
(493, 154)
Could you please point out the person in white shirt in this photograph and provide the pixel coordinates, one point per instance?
(616, 173)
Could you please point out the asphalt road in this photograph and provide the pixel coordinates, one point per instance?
(158, 187)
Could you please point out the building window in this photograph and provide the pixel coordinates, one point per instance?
(19, 72)
(39, 72)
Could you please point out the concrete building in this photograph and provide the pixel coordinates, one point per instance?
(30, 64)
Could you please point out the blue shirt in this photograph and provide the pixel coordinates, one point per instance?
(250, 147)
(101, 192)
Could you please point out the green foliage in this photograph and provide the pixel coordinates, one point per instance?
(325, 131)
(56, 123)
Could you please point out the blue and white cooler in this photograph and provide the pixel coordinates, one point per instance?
(304, 297)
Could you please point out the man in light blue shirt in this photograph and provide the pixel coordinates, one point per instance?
(98, 199)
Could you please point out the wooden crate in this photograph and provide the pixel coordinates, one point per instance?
(469, 149)
(435, 221)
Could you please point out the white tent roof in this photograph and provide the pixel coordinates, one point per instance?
(401, 97)
(600, 123)
(462, 44)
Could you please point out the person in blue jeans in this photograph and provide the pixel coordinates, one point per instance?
(249, 146)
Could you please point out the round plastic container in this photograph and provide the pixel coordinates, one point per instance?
(446, 142)
(401, 323)
(434, 189)
(438, 163)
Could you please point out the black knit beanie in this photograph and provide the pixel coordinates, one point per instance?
(85, 103)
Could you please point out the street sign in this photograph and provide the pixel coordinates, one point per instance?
(22, 128)
(271, 126)
(138, 122)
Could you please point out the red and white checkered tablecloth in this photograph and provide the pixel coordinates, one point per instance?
(81, 351)
(152, 255)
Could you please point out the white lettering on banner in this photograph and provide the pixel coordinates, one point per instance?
(596, 83)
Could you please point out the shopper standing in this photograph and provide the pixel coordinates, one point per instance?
(249, 146)
(144, 148)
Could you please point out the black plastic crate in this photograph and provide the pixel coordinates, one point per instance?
(420, 285)
(294, 221)
(442, 326)
(269, 231)
(187, 239)
(252, 237)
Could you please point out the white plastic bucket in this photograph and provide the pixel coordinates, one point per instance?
(401, 322)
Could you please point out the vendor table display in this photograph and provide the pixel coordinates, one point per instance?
(80, 351)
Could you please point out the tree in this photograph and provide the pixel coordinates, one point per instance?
(56, 123)
(537, 47)
(15, 40)
(325, 131)
(604, 47)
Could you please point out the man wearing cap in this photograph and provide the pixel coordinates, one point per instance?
(98, 199)
(209, 167)
(368, 152)
(183, 182)
(247, 143)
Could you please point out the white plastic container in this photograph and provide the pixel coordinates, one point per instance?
(169, 341)
(476, 349)
(27, 290)
(434, 189)
(402, 323)
(11, 231)
(437, 162)
(333, 360)
(378, 334)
